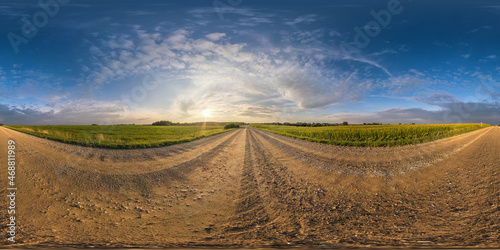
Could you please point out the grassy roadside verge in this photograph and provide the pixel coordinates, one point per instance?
(120, 136)
(372, 135)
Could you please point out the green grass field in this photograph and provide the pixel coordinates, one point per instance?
(372, 135)
(121, 136)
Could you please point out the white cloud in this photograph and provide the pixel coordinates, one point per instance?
(486, 27)
(438, 98)
(385, 51)
(488, 58)
(139, 13)
(81, 112)
(95, 51)
(177, 39)
(368, 61)
(215, 36)
(334, 33)
(121, 42)
(222, 11)
(414, 81)
(302, 19)
(253, 21)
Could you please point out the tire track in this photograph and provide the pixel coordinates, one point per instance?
(251, 211)
(274, 205)
(92, 180)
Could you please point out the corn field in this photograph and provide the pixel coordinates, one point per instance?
(372, 135)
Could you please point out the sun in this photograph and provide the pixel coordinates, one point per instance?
(206, 113)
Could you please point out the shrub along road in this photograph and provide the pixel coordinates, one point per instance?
(252, 187)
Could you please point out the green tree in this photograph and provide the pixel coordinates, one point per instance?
(162, 123)
(231, 125)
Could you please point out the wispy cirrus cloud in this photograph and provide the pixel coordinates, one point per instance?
(302, 19)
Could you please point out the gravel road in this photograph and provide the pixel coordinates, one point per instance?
(250, 187)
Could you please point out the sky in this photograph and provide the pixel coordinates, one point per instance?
(116, 62)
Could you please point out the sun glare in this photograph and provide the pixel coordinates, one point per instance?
(206, 113)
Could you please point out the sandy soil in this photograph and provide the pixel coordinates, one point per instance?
(253, 188)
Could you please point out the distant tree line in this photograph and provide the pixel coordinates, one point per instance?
(315, 124)
(305, 124)
(170, 123)
(164, 123)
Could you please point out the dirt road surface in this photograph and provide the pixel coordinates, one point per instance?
(253, 188)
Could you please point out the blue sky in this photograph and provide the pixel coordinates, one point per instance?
(107, 62)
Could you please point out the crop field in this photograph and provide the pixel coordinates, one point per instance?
(121, 136)
(372, 135)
